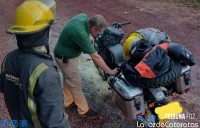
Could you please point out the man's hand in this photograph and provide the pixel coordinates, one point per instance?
(100, 62)
(113, 72)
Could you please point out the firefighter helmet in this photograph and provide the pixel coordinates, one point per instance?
(32, 16)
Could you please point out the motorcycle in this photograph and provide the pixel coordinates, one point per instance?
(134, 95)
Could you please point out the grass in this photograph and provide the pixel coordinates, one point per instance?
(195, 3)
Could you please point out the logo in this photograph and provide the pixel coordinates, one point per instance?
(13, 123)
(159, 95)
(148, 121)
(3, 123)
(23, 123)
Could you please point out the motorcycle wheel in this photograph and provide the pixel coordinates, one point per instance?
(166, 79)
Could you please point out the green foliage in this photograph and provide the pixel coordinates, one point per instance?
(191, 1)
(194, 3)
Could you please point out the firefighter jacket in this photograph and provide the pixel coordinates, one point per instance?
(32, 89)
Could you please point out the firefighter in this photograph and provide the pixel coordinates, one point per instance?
(29, 79)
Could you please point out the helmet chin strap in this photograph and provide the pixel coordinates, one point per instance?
(47, 45)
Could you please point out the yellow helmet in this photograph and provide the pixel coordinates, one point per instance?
(32, 16)
(151, 36)
(132, 39)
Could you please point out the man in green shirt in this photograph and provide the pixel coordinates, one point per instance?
(75, 38)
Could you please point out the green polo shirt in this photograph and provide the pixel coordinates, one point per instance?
(74, 38)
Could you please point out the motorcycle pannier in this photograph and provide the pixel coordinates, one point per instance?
(128, 99)
(183, 83)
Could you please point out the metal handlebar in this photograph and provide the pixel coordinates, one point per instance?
(119, 25)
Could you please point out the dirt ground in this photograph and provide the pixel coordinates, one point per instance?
(180, 21)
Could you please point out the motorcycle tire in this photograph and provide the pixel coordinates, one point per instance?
(166, 79)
